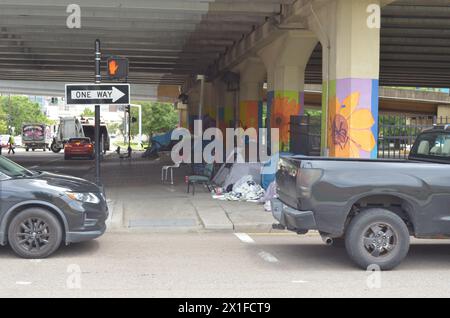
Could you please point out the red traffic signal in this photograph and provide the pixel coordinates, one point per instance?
(117, 68)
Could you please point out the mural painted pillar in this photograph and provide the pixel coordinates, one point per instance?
(351, 55)
(229, 109)
(252, 75)
(219, 100)
(286, 59)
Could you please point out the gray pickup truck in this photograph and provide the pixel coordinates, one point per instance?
(371, 206)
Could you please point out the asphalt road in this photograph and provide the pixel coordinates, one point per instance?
(218, 265)
(149, 264)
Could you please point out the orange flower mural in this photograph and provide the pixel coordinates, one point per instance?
(283, 108)
(349, 130)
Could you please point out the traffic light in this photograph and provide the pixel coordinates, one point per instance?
(117, 68)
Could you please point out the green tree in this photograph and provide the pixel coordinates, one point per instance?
(3, 122)
(20, 110)
(87, 112)
(114, 127)
(156, 118)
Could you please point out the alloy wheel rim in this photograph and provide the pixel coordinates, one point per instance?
(33, 234)
(380, 240)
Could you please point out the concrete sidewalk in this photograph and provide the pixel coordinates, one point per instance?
(139, 201)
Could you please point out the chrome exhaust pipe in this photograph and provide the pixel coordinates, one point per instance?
(327, 240)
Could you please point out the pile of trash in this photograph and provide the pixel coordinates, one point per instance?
(245, 189)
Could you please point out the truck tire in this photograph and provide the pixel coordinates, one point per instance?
(377, 237)
(55, 148)
(27, 149)
(35, 233)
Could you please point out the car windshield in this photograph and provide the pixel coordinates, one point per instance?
(12, 169)
(433, 145)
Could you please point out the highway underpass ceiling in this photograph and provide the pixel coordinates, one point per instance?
(170, 40)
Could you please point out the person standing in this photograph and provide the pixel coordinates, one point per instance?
(11, 145)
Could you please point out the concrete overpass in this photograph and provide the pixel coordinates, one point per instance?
(239, 45)
(167, 41)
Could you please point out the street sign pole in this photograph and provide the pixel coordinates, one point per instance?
(98, 79)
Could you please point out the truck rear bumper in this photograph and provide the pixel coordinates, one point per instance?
(292, 219)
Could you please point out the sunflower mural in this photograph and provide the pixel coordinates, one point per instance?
(350, 127)
(285, 105)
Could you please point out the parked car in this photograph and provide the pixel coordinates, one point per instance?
(79, 147)
(371, 206)
(40, 210)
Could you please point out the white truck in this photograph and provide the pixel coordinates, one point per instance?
(69, 127)
(36, 136)
(89, 131)
(72, 127)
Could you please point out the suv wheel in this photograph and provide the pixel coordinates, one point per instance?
(34, 233)
(377, 237)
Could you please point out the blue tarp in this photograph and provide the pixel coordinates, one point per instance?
(270, 169)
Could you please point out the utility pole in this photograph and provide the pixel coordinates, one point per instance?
(98, 79)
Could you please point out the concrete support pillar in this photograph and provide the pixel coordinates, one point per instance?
(193, 108)
(210, 108)
(219, 100)
(184, 117)
(285, 60)
(252, 76)
(229, 109)
(350, 37)
(443, 114)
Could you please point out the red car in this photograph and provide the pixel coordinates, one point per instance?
(79, 147)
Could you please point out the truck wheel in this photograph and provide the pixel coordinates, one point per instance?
(27, 149)
(35, 233)
(377, 237)
(55, 148)
(33, 149)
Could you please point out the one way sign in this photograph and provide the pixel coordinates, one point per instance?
(97, 94)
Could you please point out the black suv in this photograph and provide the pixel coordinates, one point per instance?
(40, 210)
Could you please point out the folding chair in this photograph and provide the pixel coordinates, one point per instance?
(204, 178)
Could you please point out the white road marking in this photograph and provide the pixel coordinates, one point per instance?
(244, 237)
(23, 283)
(299, 282)
(35, 260)
(268, 257)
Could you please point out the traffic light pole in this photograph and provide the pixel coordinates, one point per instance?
(129, 131)
(98, 79)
